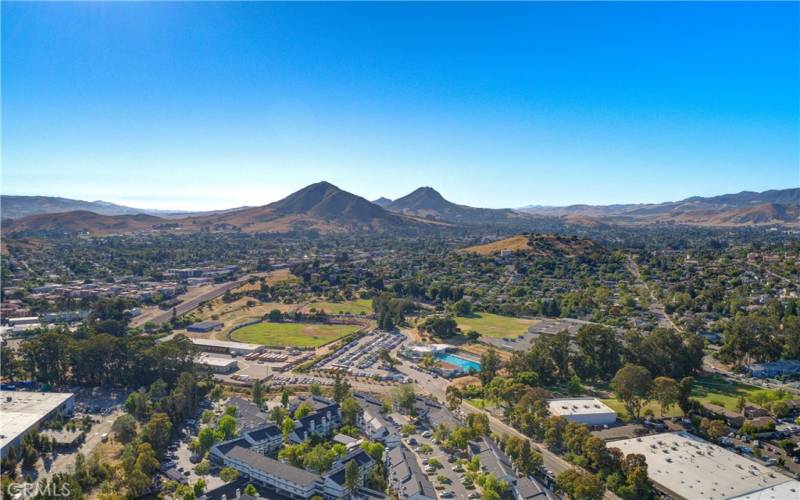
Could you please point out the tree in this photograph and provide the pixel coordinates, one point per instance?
(528, 461)
(341, 389)
(302, 410)
(599, 352)
(632, 384)
(350, 411)
(285, 398)
(454, 397)
(579, 485)
(666, 391)
(315, 389)
(206, 438)
(124, 428)
(158, 431)
(275, 316)
(278, 413)
(227, 427)
(228, 474)
(714, 428)
(258, 392)
(351, 475)
(462, 308)
(287, 428)
(405, 398)
(490, 363)
(574, 386)
(250, 490)
(199, 487)
(684, 393)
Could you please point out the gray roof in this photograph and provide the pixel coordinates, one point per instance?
(273, 467)
(528, 487)
(406, 476)
(492, 457)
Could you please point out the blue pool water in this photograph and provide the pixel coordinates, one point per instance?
(465, 364)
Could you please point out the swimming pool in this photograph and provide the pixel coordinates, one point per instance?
(464, 364)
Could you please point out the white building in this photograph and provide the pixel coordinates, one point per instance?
(589, 411)
(217, 364)
(225, 346)
(22, 412)
(684, 466)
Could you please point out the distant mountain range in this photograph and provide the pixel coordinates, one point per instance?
(426, 202)
(776, 206)
(15, 207)
(324, 207)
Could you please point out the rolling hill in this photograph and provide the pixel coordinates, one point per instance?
(747, 208)
(426, 202)
(83, 221)
(16, 207)
(542, 245)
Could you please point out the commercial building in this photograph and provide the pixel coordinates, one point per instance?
(684, 466)
(217, 364)
(774, 368)
(589, 411)
(205, 326)
(226, 347)
(22, 412)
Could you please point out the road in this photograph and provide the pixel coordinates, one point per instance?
(187, 305)
(656, 307)
(436, 387)
(65, 462)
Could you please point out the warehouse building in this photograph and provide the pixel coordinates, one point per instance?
(23, 412)
(226, 347)
(205, 326)
(589, 411)
(682, 465)
(217, 364)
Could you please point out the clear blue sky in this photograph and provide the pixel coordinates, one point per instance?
(211, 105)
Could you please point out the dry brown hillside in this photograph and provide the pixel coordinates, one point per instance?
(537, 244)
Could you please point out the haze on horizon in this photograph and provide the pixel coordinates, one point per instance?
(202, 106)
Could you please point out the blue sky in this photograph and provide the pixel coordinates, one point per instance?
(212, 105)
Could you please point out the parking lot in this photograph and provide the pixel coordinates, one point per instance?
(438, 463)
(361, 357)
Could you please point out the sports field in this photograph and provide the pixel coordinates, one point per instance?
(292, 334)
(360, 306)
(494, 325)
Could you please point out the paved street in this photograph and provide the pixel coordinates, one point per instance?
(65, 462)
(436, 386)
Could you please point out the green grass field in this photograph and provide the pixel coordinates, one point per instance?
(712, 389)
(360, 306)
(292, 334)
(494, 325)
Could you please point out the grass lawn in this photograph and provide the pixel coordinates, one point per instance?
(479, 403)
(717, 390)
(494, 325)
(619, 407)
(712, 389)
(360, 306)
(292, 334)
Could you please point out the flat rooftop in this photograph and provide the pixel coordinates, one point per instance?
(577, 406)
(21, 410)
(204, 359)
(690, 467)
(225, 344)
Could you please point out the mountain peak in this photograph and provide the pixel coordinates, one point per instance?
(382, 202)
